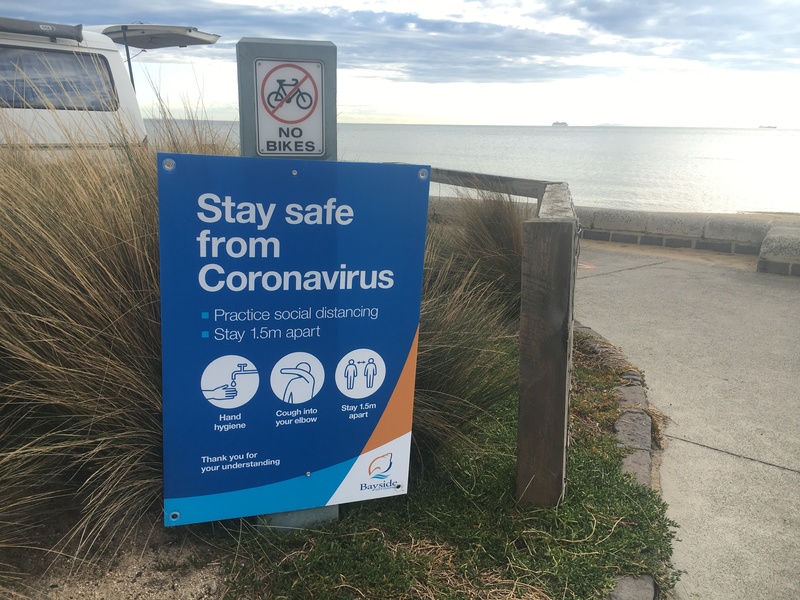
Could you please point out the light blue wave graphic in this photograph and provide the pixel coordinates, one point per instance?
(295, 494)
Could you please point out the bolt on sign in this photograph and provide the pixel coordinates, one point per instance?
(290, 305)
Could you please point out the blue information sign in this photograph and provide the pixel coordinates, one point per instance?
(290, 300)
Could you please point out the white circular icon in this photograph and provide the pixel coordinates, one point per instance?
(360, 373)
(297, 377)
(229, 381)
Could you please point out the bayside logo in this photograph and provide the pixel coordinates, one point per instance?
(379, 469)
(383, 485)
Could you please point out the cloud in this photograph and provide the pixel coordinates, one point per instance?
(544, 41)
(735, 27)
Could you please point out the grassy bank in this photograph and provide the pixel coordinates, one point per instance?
(459, 532)
(80, 428)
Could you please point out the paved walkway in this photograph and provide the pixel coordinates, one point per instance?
(720, 348)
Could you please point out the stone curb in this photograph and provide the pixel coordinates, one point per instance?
(775, 239)
(780, 251)
(634, 430)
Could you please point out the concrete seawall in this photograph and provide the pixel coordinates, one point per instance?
(774, 238)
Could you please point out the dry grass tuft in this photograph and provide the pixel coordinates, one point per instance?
(486, 238)
(444, 571)
(79, 350)
(467, 354)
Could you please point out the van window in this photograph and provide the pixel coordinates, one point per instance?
(35, 78)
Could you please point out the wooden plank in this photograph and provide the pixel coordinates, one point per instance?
(548, 283)
(528, 188)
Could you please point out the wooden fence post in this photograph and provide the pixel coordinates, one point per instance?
(548, 284)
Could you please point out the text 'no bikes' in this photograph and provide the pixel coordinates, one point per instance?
(289, 93)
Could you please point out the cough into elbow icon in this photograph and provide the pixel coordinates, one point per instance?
(300, 387)
(297, 377)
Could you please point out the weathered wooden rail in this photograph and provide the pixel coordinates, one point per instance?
(549, 268)
(528, 188)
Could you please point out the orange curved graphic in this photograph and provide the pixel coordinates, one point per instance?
(396, 419)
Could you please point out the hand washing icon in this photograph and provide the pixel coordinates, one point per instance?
(229, 381)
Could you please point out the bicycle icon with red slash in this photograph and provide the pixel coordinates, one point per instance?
(290, 94)
(285, 94)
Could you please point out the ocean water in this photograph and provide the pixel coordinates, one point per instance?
(640, 168)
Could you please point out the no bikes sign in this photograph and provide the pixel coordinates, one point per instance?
(289, 113)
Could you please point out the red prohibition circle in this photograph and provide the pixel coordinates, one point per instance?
(273, 112)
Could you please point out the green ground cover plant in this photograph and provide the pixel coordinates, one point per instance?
(80, 428)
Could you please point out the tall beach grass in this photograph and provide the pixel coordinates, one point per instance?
(79, 388)
(481, 234)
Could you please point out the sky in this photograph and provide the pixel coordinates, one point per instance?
(671, 63)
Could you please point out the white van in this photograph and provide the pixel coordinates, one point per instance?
(65, 84)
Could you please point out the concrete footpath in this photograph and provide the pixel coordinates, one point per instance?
(719, 344)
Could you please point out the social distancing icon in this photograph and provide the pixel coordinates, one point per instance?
(360, 373)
